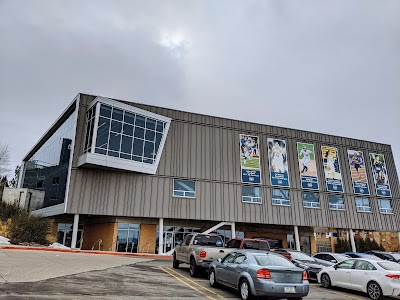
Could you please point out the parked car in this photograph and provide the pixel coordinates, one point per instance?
(359, 255)
(283, 252)
(385, 255)
(244, 243)
(330, 258)
(259, 273)
(376, 278)
(199, 250)
(306, 262)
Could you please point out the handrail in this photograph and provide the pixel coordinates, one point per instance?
(116, 242)
(98, 241)
(148, 247)
(79, 243)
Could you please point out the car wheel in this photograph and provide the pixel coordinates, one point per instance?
(212, 278)
(326, 281)
(374, 291)
(244, 289)
(175, 263)
(193, 269)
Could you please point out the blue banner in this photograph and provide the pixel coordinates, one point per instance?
(379, 171)
(278, 164)
(332, 170)
(307, 166)
(358, 172)
(250, 159)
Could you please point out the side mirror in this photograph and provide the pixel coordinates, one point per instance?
(219, 260)
(335, 267)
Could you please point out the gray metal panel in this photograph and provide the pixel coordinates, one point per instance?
(206, 149)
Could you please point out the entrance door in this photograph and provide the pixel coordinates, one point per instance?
(64, 235)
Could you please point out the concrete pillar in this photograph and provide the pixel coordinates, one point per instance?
(161, 236)
(352, 241)
(233, 230)
(75, 231)
(313, 241)
(297, 237)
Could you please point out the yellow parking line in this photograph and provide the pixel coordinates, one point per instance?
(187, 284)
(192, 281)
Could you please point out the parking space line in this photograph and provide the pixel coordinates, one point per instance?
(192, 281)
(339, 293)
(187, 284)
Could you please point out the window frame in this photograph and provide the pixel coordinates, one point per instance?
(363, 210)
(311, 207)
(333, 205)
(252, 197)
(385, 211)
(184, 192)
(280, 200)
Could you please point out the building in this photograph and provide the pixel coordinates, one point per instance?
(121, 176)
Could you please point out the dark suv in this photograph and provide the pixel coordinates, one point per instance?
(395, 257)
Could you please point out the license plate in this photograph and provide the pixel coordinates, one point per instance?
(290, 289)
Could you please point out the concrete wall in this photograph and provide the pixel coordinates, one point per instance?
(22, 195)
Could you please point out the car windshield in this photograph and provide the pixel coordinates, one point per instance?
(207, 240)
(301, 256)
(272, 260)
(341, 257)
(257, 245)
(389, 265)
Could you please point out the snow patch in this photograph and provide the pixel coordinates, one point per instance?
(4, 240)
(58, 246)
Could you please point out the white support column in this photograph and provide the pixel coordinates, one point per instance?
(161, 236)
(233, 230)
(95, 126)
(297, 237)
(352, 242)
(75, 231)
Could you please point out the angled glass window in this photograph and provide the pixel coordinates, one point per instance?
(362, 205)
(251, 194)
(280, 197)
(336, 202)
(184, 188)
(385, 206)
(124, 134)
(311, 200)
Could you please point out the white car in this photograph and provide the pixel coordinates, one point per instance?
(377, 278)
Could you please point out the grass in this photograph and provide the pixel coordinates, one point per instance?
(253, 164)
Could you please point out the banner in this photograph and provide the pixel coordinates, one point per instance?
(250, 159)
(358, 172)
(278, 166)
(333, 176)
(307, 166)
(379, 173)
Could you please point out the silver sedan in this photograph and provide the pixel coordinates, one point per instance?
(259, 273)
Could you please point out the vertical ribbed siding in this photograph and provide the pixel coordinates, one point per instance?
(206, 149)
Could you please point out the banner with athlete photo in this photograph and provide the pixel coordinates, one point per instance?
(379, 172)
(308, 166)
(278, 164)
(358, 172)
(333, 175)
(250, 159)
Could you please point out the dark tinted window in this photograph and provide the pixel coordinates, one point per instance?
(229, 257)
(187, 239)
(234, 244)
(207, 240)
(257, 245)
(320, 256)
(272, 260)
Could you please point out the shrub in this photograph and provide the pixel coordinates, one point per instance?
(7, 211)
(26, 228)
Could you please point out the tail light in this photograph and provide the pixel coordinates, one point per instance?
(305, 278)
(203, 254)
(264, 274)
(393, 276)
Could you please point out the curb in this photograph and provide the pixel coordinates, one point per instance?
(27, 248)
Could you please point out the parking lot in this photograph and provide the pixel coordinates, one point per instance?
(114, 277)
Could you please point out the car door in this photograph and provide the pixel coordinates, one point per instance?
(223, 268)
(361, 274)
(341, 275)
(183, 251)
(235, 268)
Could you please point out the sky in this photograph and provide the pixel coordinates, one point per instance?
(328, 66)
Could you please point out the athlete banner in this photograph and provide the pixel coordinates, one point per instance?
(278, 165)
(307, 166)
(250, 159)
(379, 172)
(358, 172)
(333, 176)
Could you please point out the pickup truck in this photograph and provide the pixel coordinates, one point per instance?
(199, 250)
(255, 244)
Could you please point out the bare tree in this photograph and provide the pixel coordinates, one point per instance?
(4, 158)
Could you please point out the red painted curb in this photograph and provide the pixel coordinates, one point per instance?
(145, 255)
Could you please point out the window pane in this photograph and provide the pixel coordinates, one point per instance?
(105, 111)
(151, 124)
(160, 126)
(384, 203)
(125, 156)
(311, 200)
(138, 147)
(150, 135)
(137, 158)
(117, 114)
(336, 202)
(184, 185)
(158, 141)
(128, 129)
(280, 197)
(102, 133)
(129, 118)
(116, 126)
(139, 132)
(126, 145)
(251, 191)
(148, 160)
(114, 142)
(179, 193)
(113, 153)
(101, 151)
(148, 149)
(140, 121)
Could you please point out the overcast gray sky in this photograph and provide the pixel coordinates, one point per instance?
(329, 66)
